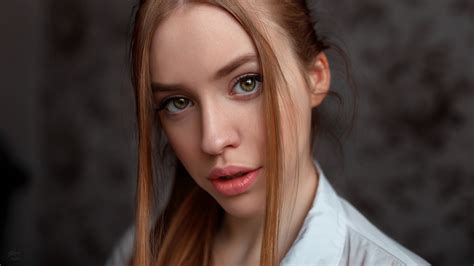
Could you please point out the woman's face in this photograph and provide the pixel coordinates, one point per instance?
(207, 86)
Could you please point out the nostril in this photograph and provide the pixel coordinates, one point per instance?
(215, 141)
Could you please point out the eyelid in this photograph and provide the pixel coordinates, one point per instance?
(162, 103)
(243, 76)
(165, 101)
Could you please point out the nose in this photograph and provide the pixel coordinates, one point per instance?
(219, 129)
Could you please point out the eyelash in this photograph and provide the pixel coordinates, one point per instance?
(257, 78)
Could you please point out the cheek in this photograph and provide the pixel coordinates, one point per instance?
(296, 123)
(255, 124)
(180, 143)
(183, 139)
(250, 123)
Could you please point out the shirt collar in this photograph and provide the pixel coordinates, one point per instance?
(321, 238)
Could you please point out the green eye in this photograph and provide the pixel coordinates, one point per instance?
(247, 84)
(175, 104)
(180, 103)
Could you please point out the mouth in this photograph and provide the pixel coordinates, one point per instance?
(229, 172)
(233, 181)
(228, 177)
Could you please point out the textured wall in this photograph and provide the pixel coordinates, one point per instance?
(407, 166)
(80, 195)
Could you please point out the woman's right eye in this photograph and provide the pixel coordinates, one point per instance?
(174, 105)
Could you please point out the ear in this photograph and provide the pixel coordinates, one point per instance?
(320, 79)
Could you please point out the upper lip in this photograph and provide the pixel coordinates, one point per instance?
(229, 171)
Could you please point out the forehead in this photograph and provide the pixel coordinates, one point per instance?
(194, 41)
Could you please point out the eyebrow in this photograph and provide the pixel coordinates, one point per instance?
(224, 71)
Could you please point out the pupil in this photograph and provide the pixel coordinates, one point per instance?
(248, 84)
(180, 103)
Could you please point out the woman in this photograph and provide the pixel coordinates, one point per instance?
(225, 92)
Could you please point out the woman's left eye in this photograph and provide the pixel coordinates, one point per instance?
(247, 84)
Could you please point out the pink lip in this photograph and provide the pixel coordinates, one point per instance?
(235, 186)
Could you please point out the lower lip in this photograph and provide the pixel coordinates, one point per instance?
(235, 186)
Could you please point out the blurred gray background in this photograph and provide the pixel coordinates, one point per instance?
(67, 126)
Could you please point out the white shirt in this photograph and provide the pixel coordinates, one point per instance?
(333, 233)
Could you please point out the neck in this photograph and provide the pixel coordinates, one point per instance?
(245, 235)
(238, 241)
(298, 199)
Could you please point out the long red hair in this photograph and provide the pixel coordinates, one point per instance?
(175, 219)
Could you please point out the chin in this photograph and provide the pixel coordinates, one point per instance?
(243, 206)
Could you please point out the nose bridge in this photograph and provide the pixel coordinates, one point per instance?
(218, 129)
